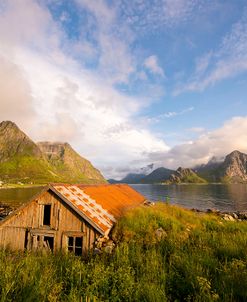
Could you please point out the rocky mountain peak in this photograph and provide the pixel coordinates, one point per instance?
(15, 142)
(7, 124)
(235, 166)
(235, 153)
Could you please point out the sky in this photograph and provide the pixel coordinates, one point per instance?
(127, 83)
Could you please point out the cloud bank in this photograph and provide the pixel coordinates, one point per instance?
(73, 86)
(52, 96)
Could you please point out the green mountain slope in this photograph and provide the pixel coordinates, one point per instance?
(158, 175)
(182, 175)
(68, 163)
(21, 160)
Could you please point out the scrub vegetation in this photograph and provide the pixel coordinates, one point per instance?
(163, 253)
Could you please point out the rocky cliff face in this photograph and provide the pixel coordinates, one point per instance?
(21, 160)
(68, 162)
(234, 167)
(185, 176)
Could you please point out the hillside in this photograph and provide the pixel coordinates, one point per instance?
(158, 175)
(182, 175)
(69, 163)
(21, 160)
(161, 253)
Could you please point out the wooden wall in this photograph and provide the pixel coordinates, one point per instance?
(16, 230)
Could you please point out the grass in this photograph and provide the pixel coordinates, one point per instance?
(193, 257)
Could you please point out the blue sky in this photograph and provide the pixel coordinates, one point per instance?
(127, 83)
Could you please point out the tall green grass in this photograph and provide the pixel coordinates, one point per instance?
(198, 258)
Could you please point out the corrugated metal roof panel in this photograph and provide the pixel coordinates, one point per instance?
(102, 204)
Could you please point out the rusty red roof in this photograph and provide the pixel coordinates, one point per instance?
(101, 204)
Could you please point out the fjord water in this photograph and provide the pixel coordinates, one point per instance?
(222, 197)
(232, 197)
(17, 196)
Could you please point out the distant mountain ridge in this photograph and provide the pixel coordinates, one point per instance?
(231, 169)
(21, 160)
(158, 175)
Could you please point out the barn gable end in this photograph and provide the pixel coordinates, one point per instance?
(67, 217)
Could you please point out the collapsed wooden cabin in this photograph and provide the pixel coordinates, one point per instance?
(68, 217)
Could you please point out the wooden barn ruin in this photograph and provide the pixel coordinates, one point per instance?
(67, 217)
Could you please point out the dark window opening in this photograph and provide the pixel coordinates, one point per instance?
(75, 245)
(26, 239)
(49, 242)
(47, 214)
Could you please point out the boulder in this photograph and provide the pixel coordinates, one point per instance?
(228, 217)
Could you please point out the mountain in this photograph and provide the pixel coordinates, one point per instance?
(131, 178)
(233, 169)
(210, 171)
(69, 163)
(182, 175)
(158, 175)
(21, 160)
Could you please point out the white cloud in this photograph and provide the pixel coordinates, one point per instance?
(229, 60)
(220, 142)
(151, 63)
(169, 114)
(61, 99)
(113, 40)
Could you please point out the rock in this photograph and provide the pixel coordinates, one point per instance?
(97, 251)
(196, 210)
(212, 210)
(109, 247)
(228, 217)
(104, 244)
(160, 233)
(242, 216)
(234, 215)
(148, 203)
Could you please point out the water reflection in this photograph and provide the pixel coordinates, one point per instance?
(222, 197)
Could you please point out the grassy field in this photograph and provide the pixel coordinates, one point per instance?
(163, 253)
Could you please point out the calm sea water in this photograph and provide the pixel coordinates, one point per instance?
(222, 197)
(17, 196)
